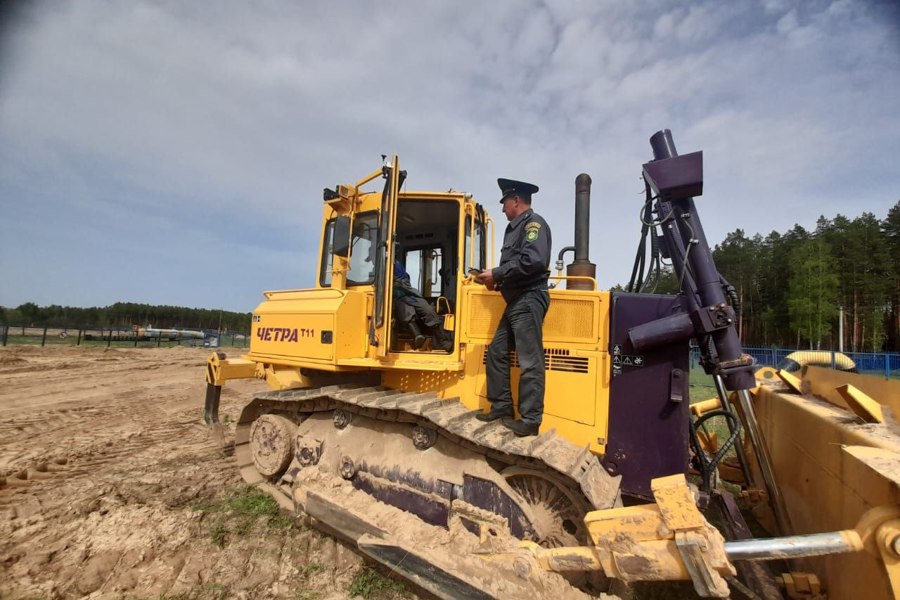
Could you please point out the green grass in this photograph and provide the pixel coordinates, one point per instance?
(216, 591)
(701, 385)
(369, 583)
(239, 511)
(218, 535)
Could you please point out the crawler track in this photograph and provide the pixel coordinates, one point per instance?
(575, 472)
(434, 470)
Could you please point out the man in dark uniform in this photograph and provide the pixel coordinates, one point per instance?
(410, 308)
(521, 278)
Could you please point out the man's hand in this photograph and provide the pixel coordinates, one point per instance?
(486, 278)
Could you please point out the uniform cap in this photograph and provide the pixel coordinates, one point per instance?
(509, 187)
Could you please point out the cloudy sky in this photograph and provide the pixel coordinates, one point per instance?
(174, 153)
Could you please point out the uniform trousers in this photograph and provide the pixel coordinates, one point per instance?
(519, 329)
(408, 308)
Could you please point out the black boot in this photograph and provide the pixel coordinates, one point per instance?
(418, 338)
(440, 340)
(520, 428)
(493, 416)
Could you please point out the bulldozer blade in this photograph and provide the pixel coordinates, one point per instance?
(339, 521)
(211, 410)
(375, 543)
(420, 571)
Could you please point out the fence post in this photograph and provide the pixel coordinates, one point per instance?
(109, 339)
(44, 338)
(78, 343)
(887, 365)
(5, 332)
(833, 360)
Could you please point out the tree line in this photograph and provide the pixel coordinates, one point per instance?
(803, 288)
(125, 315)
(795, 289)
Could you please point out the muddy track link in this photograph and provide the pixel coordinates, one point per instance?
(577, 466)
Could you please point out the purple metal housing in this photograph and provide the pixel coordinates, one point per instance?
(648, 403)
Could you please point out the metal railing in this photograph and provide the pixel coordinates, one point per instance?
(886, 364)
(11, 335)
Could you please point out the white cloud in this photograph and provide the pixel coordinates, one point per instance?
(190, 144)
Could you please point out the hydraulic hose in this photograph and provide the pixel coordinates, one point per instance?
(705, 465)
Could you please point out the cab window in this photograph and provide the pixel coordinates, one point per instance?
(327, 255)
(425, 267)
(474, 260)
(362, 251)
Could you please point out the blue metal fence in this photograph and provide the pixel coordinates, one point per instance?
(14, 335)
(872, 363)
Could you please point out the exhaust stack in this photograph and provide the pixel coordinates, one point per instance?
(582, 267)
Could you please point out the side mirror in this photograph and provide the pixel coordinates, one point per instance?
(341, 244)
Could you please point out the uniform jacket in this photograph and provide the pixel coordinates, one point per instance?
(525, 258)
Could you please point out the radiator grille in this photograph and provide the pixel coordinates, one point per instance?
(485, 314)
(555, 359)
(569, 319)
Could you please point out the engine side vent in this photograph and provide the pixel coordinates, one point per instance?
(555, 359)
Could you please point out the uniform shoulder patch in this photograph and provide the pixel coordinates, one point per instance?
(531, 235)
(532, 226)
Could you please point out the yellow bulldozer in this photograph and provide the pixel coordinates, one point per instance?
(372, 433)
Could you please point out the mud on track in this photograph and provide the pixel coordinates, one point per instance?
(105, 468)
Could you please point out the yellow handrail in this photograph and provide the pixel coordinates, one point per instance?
(576, 277)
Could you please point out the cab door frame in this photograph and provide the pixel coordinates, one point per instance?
(380, 324)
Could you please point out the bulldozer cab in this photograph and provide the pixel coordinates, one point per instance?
(435, 238)
(438, 241)
(426, 249)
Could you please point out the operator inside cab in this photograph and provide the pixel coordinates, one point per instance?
(412, 310)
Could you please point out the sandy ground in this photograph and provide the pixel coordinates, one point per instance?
(113, 488)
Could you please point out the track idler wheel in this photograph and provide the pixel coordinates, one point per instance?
(272, 444)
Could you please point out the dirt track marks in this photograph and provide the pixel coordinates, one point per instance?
(115, 460)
